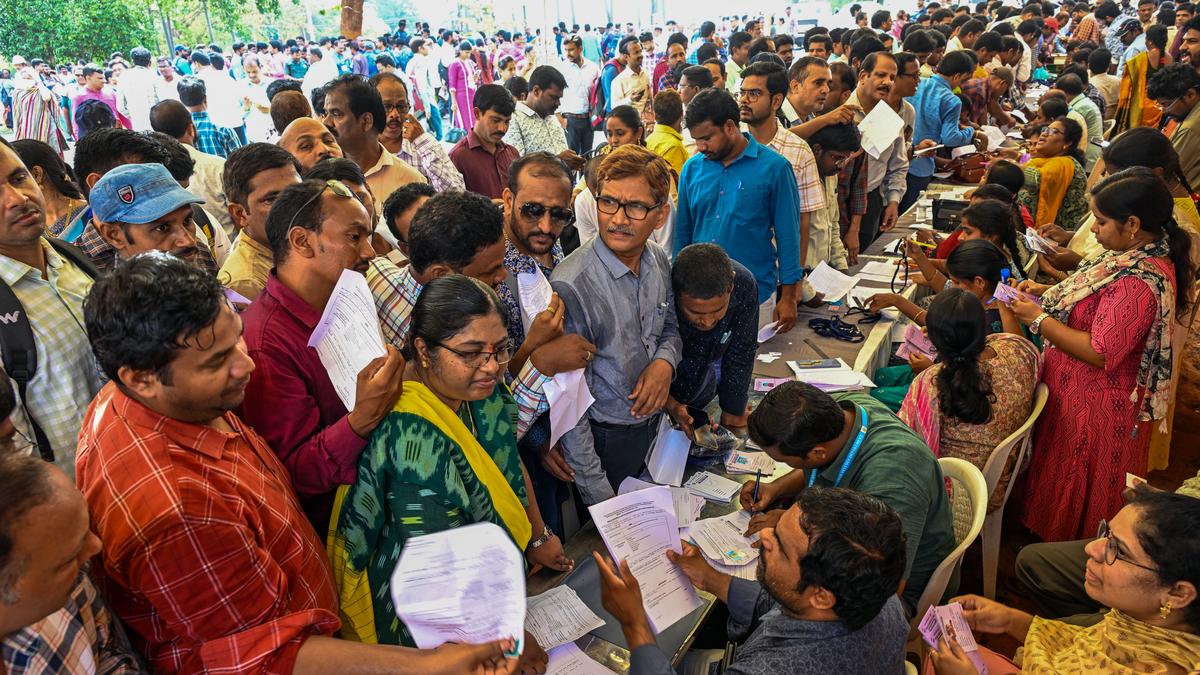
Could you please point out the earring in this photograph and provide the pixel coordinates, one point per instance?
(1164, 610)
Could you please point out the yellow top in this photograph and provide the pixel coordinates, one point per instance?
(667, 143)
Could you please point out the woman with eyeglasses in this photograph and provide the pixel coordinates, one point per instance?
(1144, 564)
(1055, 189)
(446, 456)
(1106, 331)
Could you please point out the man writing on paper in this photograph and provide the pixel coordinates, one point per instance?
(616, 290)
(316, 230)
(852, 440)
(824, 600)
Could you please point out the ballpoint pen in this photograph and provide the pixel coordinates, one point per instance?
(757, 483)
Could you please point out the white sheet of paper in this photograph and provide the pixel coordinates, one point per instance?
(741, 461)
(767, 332)
(880, 128)
(639, 527)
(687, 505)
(711, 486)
(832, 379)
(535, 291)
(668, 457)
(962, 150)
(721, 538)
(441, 577)
(569, 659)
(569, 399)
(860, 296)
(1020, 116)
(558, 617)
(347, 337)
(829, 282)
(994, 136)
(879, 270)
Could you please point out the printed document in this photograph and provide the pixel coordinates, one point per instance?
(347, 337)
(558, 616)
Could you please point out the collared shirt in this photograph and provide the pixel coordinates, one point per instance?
(1186, 141)
(1088, 30)
(517, 263)
(978, 92)
(888, 172)
(214, 140)
(851, 191)
(581, 79)
(529, 132)
(1086, 107)
(1109, 87)
(247, 267)
(225, 103)
(139, 90)
(748, 208)
(896, 466)
(389, 174)
(804, 166)
(775, 642)
(208, 184)
(937, 109)
(82, 637)
(724, 352)
(667, 143)
(428, 156)
(106, 96)
(292, 403)
(632, 89)
(824, 231)
(631, 320)
(482, 171)
(216, 569)
(67, 376)
(296, 69)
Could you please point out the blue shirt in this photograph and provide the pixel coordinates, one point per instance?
(747, 208)
(212, 139)
(937, 108)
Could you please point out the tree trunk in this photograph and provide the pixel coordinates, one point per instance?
(352, 18)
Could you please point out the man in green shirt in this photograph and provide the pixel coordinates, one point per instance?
(850, 440)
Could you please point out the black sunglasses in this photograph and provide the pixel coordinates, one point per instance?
(559, 214)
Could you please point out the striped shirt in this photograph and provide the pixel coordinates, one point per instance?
(428, 156)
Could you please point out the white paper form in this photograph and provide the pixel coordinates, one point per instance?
(558, 617)
(714, 487)
(994, 136)
(347, 337)
(880, 128)
(721, 538)
(962, 150)
(639, 527)
(740, 461)
(768, 331)
(567, 393)
(829, 282)
(668, 457)
(687, 505)
(879, 270)
(569, 659)
(461, 585)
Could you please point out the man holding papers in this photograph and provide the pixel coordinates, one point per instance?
(316, 230)
(887, 163)
(824, 600)
(616, 291)
(853, 441)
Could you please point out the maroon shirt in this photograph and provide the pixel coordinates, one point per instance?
(292, 404)
(483, 172)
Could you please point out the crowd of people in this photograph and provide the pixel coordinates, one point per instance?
(184, 489)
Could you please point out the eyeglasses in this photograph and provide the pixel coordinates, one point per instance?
(1164, 106)
(479, 359)
(1051, 131)
(336, 186)
(633, 210)
(560, 215)
(401, 108)
(750, 95)
(1111, 552)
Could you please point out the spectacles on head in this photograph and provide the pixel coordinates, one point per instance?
(336, 186)
(1112, 551)
(633, 210)
(478, 359)
(560, 215)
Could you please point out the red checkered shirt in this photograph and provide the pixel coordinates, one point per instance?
(206, 557)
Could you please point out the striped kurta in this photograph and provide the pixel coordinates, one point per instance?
(35, 115)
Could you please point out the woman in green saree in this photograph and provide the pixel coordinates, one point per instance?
(446, 456)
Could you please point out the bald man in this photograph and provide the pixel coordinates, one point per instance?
(309, 142)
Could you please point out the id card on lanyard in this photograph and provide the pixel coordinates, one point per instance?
(854, 448)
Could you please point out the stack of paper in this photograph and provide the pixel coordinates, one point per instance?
(838, 378)
(714, 487)
(569, 659)
(880, 270)
(559, 616)
(721, 540)
(949, 623)
(687, 505)
(1006, 293)
(740, 461)
(829, 282)
(880, 129)
(994, 136)
(962, 150)
(347, 337)
(916, 342)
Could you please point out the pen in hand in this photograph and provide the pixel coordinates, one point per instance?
(757, 483)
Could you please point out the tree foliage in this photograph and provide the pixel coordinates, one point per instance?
(58, 30)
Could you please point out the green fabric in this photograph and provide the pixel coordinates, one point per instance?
(896, 466)
(414, 480)
(891, 385)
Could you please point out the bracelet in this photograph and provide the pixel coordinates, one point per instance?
(547, 535)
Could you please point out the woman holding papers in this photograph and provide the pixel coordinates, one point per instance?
(446, 456)
(1055, 182)
(979, 391)
(1142, 564)
(1107, 332)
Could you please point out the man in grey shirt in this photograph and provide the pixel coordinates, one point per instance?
(616, 292)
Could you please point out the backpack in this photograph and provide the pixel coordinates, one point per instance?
(18, 345)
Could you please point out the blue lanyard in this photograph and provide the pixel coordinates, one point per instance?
(858, 441)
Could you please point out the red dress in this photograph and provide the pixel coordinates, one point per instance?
(1084, 441)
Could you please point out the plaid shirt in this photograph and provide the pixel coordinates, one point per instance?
(977, 92)
(212, 139)
(808, 183)
(852, 190)
(396, 292)
(428, 156)
(79, 638)
(206, 555)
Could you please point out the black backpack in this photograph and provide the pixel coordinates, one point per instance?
(17, 342)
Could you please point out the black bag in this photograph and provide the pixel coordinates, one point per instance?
(947, 213)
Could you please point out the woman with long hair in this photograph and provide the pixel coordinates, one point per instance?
(1107, 333)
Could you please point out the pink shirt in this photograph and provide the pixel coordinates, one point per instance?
(106, 96)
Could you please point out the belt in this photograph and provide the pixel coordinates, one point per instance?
(611, 426)
(582, 116)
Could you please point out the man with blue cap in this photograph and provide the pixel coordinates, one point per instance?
(139, 208)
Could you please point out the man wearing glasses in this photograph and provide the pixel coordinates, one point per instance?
(616, 292)
(404, 137)
(1177, 91)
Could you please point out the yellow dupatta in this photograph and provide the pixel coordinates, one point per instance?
(1118, 644)
(1056, 174)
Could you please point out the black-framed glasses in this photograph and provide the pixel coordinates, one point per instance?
(336, 186)
(478, 359)
(1112, 552)
(561, 215)
(750, 95)
(401, 108)
(633, 210)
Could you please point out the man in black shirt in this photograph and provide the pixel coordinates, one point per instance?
(716, 301)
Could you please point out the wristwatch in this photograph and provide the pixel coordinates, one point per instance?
(547, 535)
(1036, 326)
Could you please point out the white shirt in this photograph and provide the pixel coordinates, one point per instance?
(627, 85)
(167, 90)
(1025, 67)
(580, 80)
(138, 87)
(318, 75)
(224, 98)
(423, 71)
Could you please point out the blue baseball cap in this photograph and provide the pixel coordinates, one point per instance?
(137, 193)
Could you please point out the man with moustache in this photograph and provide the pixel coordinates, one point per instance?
(886, 174)
(309, 142)
(404, 136)
(482, 156)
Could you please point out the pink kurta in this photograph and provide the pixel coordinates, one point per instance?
(462, 80)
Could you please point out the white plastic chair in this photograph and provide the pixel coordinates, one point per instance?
(968, 507)
(1020, 441)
